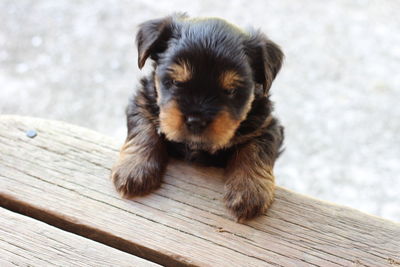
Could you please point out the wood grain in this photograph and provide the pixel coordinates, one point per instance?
(62, 177)
(28, 242)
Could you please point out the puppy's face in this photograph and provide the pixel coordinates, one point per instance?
(205, 77)
(203, 96)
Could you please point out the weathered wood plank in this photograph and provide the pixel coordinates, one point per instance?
(61, 176)
(28, 242)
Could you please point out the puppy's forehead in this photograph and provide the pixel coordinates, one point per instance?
(214, 36)
(207, 51)
(203, 27)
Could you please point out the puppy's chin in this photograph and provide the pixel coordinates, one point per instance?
(197, 142)
(216, 136)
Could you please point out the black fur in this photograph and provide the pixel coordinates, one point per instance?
(210, 48)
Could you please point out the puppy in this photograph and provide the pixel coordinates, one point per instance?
(206, 101)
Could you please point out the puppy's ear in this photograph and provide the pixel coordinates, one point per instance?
(152, 38)
(265, 57)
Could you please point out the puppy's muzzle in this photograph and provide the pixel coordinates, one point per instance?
(196, 124)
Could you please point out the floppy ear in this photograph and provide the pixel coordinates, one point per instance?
(265, 57)
(152, 38)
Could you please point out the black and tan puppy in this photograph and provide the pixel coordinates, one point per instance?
(207, 101)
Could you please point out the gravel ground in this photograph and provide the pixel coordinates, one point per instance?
(338, 93)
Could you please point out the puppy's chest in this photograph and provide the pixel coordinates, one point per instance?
(183, 152)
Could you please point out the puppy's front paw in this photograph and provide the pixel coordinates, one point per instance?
(248, 198)
(134, 177)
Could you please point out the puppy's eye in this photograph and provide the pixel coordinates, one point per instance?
(168, 83)
(176, 83)
(171, 82)
(229, 92)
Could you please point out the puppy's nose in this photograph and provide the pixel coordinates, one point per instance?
(195, 124)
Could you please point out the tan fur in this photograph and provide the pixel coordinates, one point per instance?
(172, 121)
(251, 184)
(181, 72)
(217, 135)
(222, 129)
(157, 86)
(124, 169)
(230, 80)
(139, 168)
(252, 135)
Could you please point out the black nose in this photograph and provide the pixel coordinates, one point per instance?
(196, 124)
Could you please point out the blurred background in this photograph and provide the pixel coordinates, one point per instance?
(338, 93)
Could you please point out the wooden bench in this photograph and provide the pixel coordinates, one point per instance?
(61, 177)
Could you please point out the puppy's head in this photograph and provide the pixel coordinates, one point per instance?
(207, 73)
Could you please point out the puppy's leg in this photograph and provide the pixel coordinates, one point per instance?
(142, 158)
(249, 189)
